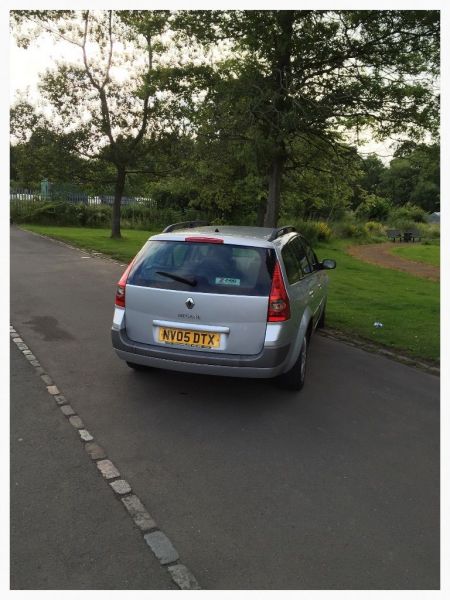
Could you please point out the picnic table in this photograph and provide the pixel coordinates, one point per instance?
(410, 235)
(393, 234)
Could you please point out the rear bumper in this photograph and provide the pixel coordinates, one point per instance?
(268, 363)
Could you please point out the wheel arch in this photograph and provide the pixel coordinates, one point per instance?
(306, 328)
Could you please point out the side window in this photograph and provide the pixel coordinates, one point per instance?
(312, 258)
(300, 253)
(291, 264)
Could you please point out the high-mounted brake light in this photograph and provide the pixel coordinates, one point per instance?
(279, 309)
(120, 290)
(207, 240)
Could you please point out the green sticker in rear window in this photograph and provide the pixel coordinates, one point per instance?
(227, 281)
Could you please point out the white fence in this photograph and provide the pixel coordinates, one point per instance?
(24, 195)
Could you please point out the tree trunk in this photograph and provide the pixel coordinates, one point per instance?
(281, 77)
(261, 212)
(118, 193)
(273, 200)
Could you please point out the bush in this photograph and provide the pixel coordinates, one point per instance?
(373, 208)
(407, 212)
(428, 231)
(98, 216)
(150, 217)
(314, 231)
(405, 224)
(375, 229)
(433, 232)
(133, 216)
(51, 213)
(324, 231)
(349, 229)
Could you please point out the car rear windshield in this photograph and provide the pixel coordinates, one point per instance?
(204, 267)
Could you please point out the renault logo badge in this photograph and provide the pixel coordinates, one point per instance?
(190, 303)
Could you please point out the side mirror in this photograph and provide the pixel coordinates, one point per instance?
(328, 263)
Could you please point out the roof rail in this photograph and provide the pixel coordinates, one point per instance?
(184, 225)
(279, 231)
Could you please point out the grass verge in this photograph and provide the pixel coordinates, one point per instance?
(98, 240)
(429, 254)
(360, 294)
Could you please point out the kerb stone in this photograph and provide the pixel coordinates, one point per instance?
(138, 513)
(67, 410)
(121, 487)
(95, 451)
(60, 400)
(183, 577)
(76, 422)
(107, 469)
(161, 547)
(85, 435)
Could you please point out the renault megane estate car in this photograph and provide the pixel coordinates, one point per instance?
(222, 300)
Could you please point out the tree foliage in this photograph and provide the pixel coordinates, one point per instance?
(112, 99)
(411, 177)
(245, 113)
(310, 74)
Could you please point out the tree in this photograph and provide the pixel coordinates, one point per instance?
(373, 171)
(319, 184)
(111, 99)
(41, 153)
(413, 176)
(310, 74)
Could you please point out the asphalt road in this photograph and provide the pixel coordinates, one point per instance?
(68, 531)
(336, 487)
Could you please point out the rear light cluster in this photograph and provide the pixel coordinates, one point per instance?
(120, 290)
(279, 309)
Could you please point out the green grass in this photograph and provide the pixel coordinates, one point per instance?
(424, 253)
(359, 293)
(97, 239)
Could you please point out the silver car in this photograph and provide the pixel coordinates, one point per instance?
(222, 300)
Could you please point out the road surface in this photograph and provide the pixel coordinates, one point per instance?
(336, 487)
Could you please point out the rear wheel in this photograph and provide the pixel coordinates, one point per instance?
(294, 379)
(136, 367)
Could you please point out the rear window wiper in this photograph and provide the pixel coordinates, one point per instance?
(191, 282)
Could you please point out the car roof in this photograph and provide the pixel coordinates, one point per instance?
(235, 233)
(261, 233)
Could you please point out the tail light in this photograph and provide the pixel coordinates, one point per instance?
(120, 290)
(279, 309)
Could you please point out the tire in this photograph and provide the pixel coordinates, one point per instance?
(294, 379)
(136, 367)
(321, 321)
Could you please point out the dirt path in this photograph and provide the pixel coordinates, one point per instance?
(378, 254)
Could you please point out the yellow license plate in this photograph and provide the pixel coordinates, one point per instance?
(186, 337)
